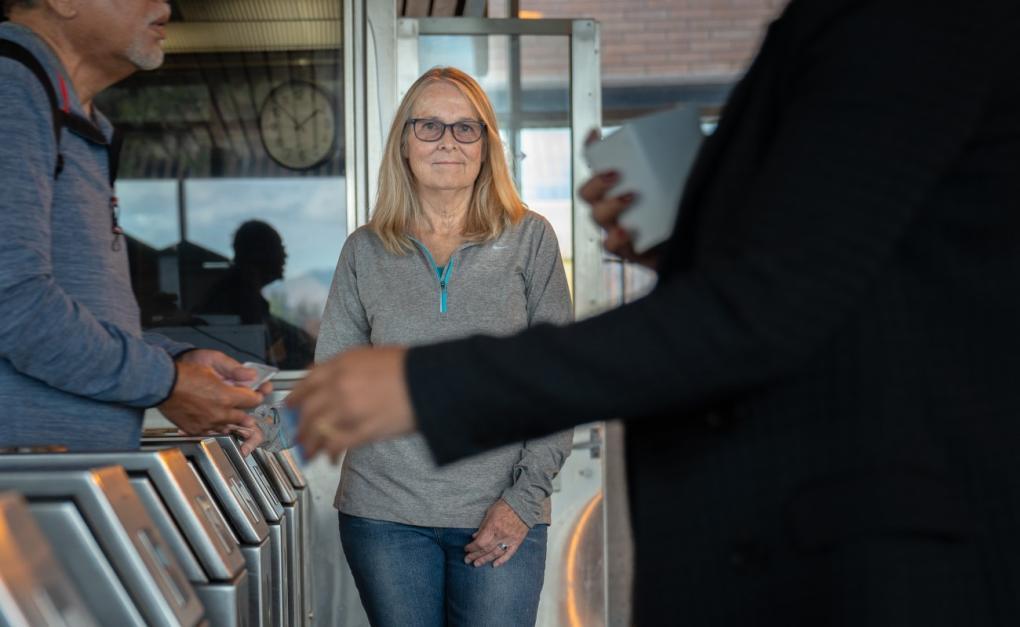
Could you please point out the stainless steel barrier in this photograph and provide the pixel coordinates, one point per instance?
(279, 524)
(294, 513)
(34, 589)
(292, 469)
(241, 511)
(186, 516)
(107, 542)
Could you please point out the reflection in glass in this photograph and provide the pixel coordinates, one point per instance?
(242, 123)
(183, 245)
(236, 297)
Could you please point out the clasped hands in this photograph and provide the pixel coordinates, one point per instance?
(357, 397)
(498, 537)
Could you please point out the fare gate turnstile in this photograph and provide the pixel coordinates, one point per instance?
(279, 525)
(294, 513)
(107, 543)
(292, 469)
(186, 516)
(34, 589)
(239, 508)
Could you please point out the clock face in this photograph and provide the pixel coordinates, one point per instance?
(297, 125)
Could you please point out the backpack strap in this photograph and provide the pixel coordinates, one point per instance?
(18, 53)
(61, 117)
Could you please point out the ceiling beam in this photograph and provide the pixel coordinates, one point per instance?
(185, 37)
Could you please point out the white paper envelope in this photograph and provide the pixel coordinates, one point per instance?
(653, 155)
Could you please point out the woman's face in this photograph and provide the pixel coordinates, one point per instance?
(445, 164)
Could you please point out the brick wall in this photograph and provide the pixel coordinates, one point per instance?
(670, 41)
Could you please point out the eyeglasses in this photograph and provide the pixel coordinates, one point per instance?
(432, 130)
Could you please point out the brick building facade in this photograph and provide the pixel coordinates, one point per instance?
(660, 51)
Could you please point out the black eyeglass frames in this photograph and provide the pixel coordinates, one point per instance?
(431, 129)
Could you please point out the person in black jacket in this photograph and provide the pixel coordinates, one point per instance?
(820, 395)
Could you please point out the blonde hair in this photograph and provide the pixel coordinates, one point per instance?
(494, 204)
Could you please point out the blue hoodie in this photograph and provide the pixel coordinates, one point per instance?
(75, 368)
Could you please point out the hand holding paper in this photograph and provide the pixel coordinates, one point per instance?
(356, 397)
(651, 157)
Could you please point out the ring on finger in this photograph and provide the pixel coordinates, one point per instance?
(503, 546)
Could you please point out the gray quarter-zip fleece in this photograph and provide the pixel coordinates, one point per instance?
(495, 288)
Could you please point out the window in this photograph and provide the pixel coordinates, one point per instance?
(656, 54)
(231, 184)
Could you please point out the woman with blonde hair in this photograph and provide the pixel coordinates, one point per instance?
(450, 250)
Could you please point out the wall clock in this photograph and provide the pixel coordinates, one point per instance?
(298, 125)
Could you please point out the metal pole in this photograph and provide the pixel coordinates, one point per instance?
(514, 100)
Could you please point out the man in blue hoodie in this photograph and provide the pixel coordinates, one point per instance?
(75, 368)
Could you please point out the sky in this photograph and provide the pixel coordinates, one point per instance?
(309, 213)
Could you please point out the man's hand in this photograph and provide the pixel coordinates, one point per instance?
(232, 373)
(251, 437)
(606, 211)
(357, 397)
(201, 402)
(502, 527)
(229, 369)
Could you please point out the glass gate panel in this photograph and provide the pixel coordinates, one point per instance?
(527, 78)
(528, 70)
(240, 127)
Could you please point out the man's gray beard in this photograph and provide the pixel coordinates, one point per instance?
(145, 58)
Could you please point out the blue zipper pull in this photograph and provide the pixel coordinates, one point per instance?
(442, 274)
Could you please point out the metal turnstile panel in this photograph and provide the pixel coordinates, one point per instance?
(185, 498)
(281, 571)
(291, 466)
(293, 516)
(226, 602)
(218, 473)
(295, 564)
(292, 469)
(125, 535)
(220, 598)
(87, 564)
(278, 480)
(259, 560)
(239, 508)
(34, 588)
(278, 525)
(253, 477)
(304, 505)
(223, 600)
(165, 522)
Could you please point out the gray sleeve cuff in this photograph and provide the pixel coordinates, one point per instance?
(523, 505)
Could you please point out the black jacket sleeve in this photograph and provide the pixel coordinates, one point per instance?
(881, 104)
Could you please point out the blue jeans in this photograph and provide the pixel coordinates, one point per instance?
(411, 576)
